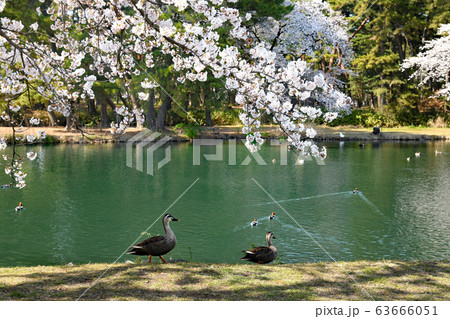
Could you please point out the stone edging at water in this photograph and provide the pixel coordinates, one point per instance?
(60, 135)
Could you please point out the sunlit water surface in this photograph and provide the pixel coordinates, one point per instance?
(83, 204)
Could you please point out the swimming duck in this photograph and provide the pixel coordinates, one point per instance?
(417, 154)
(262, 255)
(6, 186)
(272, 216)
(437, 153)
(408, 159)
(355, 191)
(20, 207)
(254, 223)
(157, 245)
(361, 145)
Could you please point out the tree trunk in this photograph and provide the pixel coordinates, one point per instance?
(104, 114)
(380, 101)
(52, 118)
(205, 93)
(137, 106)
(151, 114)
(69, 123)
(424, 34)
(165, 106)
(322, 61)
(91, 107)
(330, 65)
(208, 115)
(187, 102)
(401, 54)
(113, 106)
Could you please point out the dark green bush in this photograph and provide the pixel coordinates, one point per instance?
(225, 117)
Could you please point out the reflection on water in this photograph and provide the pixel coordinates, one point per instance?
(83, 204)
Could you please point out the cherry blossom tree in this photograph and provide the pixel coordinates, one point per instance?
(114, 41)
(312, 28)
(433, 63)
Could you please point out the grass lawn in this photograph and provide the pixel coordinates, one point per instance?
(382, 280)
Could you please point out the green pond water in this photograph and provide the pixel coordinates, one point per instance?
(84, 204)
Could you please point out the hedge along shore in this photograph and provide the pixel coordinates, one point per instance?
(60, 135)
(370, 280)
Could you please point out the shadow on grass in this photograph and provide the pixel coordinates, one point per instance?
(383, 280)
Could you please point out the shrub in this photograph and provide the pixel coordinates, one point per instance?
(191, 130)
(225, 117)
(439, 122)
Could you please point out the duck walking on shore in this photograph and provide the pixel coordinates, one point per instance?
(157, 245)
(262, 255)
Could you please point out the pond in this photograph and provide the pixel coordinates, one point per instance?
(84, 204)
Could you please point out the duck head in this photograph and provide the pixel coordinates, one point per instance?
(269, 237)
(170, 218)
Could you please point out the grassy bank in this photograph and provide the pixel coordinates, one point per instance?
(383, 280)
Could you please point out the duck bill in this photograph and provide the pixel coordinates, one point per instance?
(175, 220)
(273, 237)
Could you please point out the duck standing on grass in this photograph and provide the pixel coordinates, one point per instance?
(157, 245)
(262, 255)
(254, 223)
(20, 207)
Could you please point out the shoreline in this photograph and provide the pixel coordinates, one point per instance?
(56, 135)
(382, 280)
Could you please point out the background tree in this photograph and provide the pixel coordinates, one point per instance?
(433, 63)
(386, 33)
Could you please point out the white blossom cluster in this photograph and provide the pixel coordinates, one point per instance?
(433, 63)
(116, 32)
(311, 27)
(13, 163)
